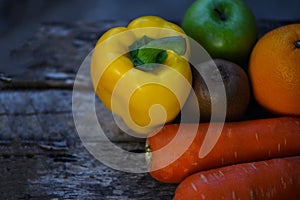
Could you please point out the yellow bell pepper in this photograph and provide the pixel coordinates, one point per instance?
(141, 72)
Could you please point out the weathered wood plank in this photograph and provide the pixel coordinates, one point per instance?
(72, 174)
(42, 115)
(53, 54)
(42, 155)
(51, 58)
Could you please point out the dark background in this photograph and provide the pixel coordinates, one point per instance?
(19, 19)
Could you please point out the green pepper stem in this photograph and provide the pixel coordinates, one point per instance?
(147, 53)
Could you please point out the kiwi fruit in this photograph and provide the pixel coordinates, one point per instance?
(236, 85)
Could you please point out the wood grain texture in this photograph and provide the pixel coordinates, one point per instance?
(51, 58)
(34, 172)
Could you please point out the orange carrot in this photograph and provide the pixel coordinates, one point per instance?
(274, 179)
(239, 142)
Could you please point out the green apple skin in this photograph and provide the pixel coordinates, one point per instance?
(225, 28)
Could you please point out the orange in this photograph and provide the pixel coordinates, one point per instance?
(274, 70)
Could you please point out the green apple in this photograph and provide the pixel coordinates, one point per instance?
(225, 28)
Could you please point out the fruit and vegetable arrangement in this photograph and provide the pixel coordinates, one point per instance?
(249, 158)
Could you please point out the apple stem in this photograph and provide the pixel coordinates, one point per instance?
(221, 15)
(297, 44)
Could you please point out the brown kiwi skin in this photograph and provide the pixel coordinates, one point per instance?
(236, 85)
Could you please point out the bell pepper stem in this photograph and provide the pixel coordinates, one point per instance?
(147, 53)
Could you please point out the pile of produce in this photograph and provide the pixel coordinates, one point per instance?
(248, 158)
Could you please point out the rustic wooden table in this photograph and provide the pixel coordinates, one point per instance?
(41, 154)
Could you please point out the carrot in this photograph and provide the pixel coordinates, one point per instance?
(171, 158)
(271, 179)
